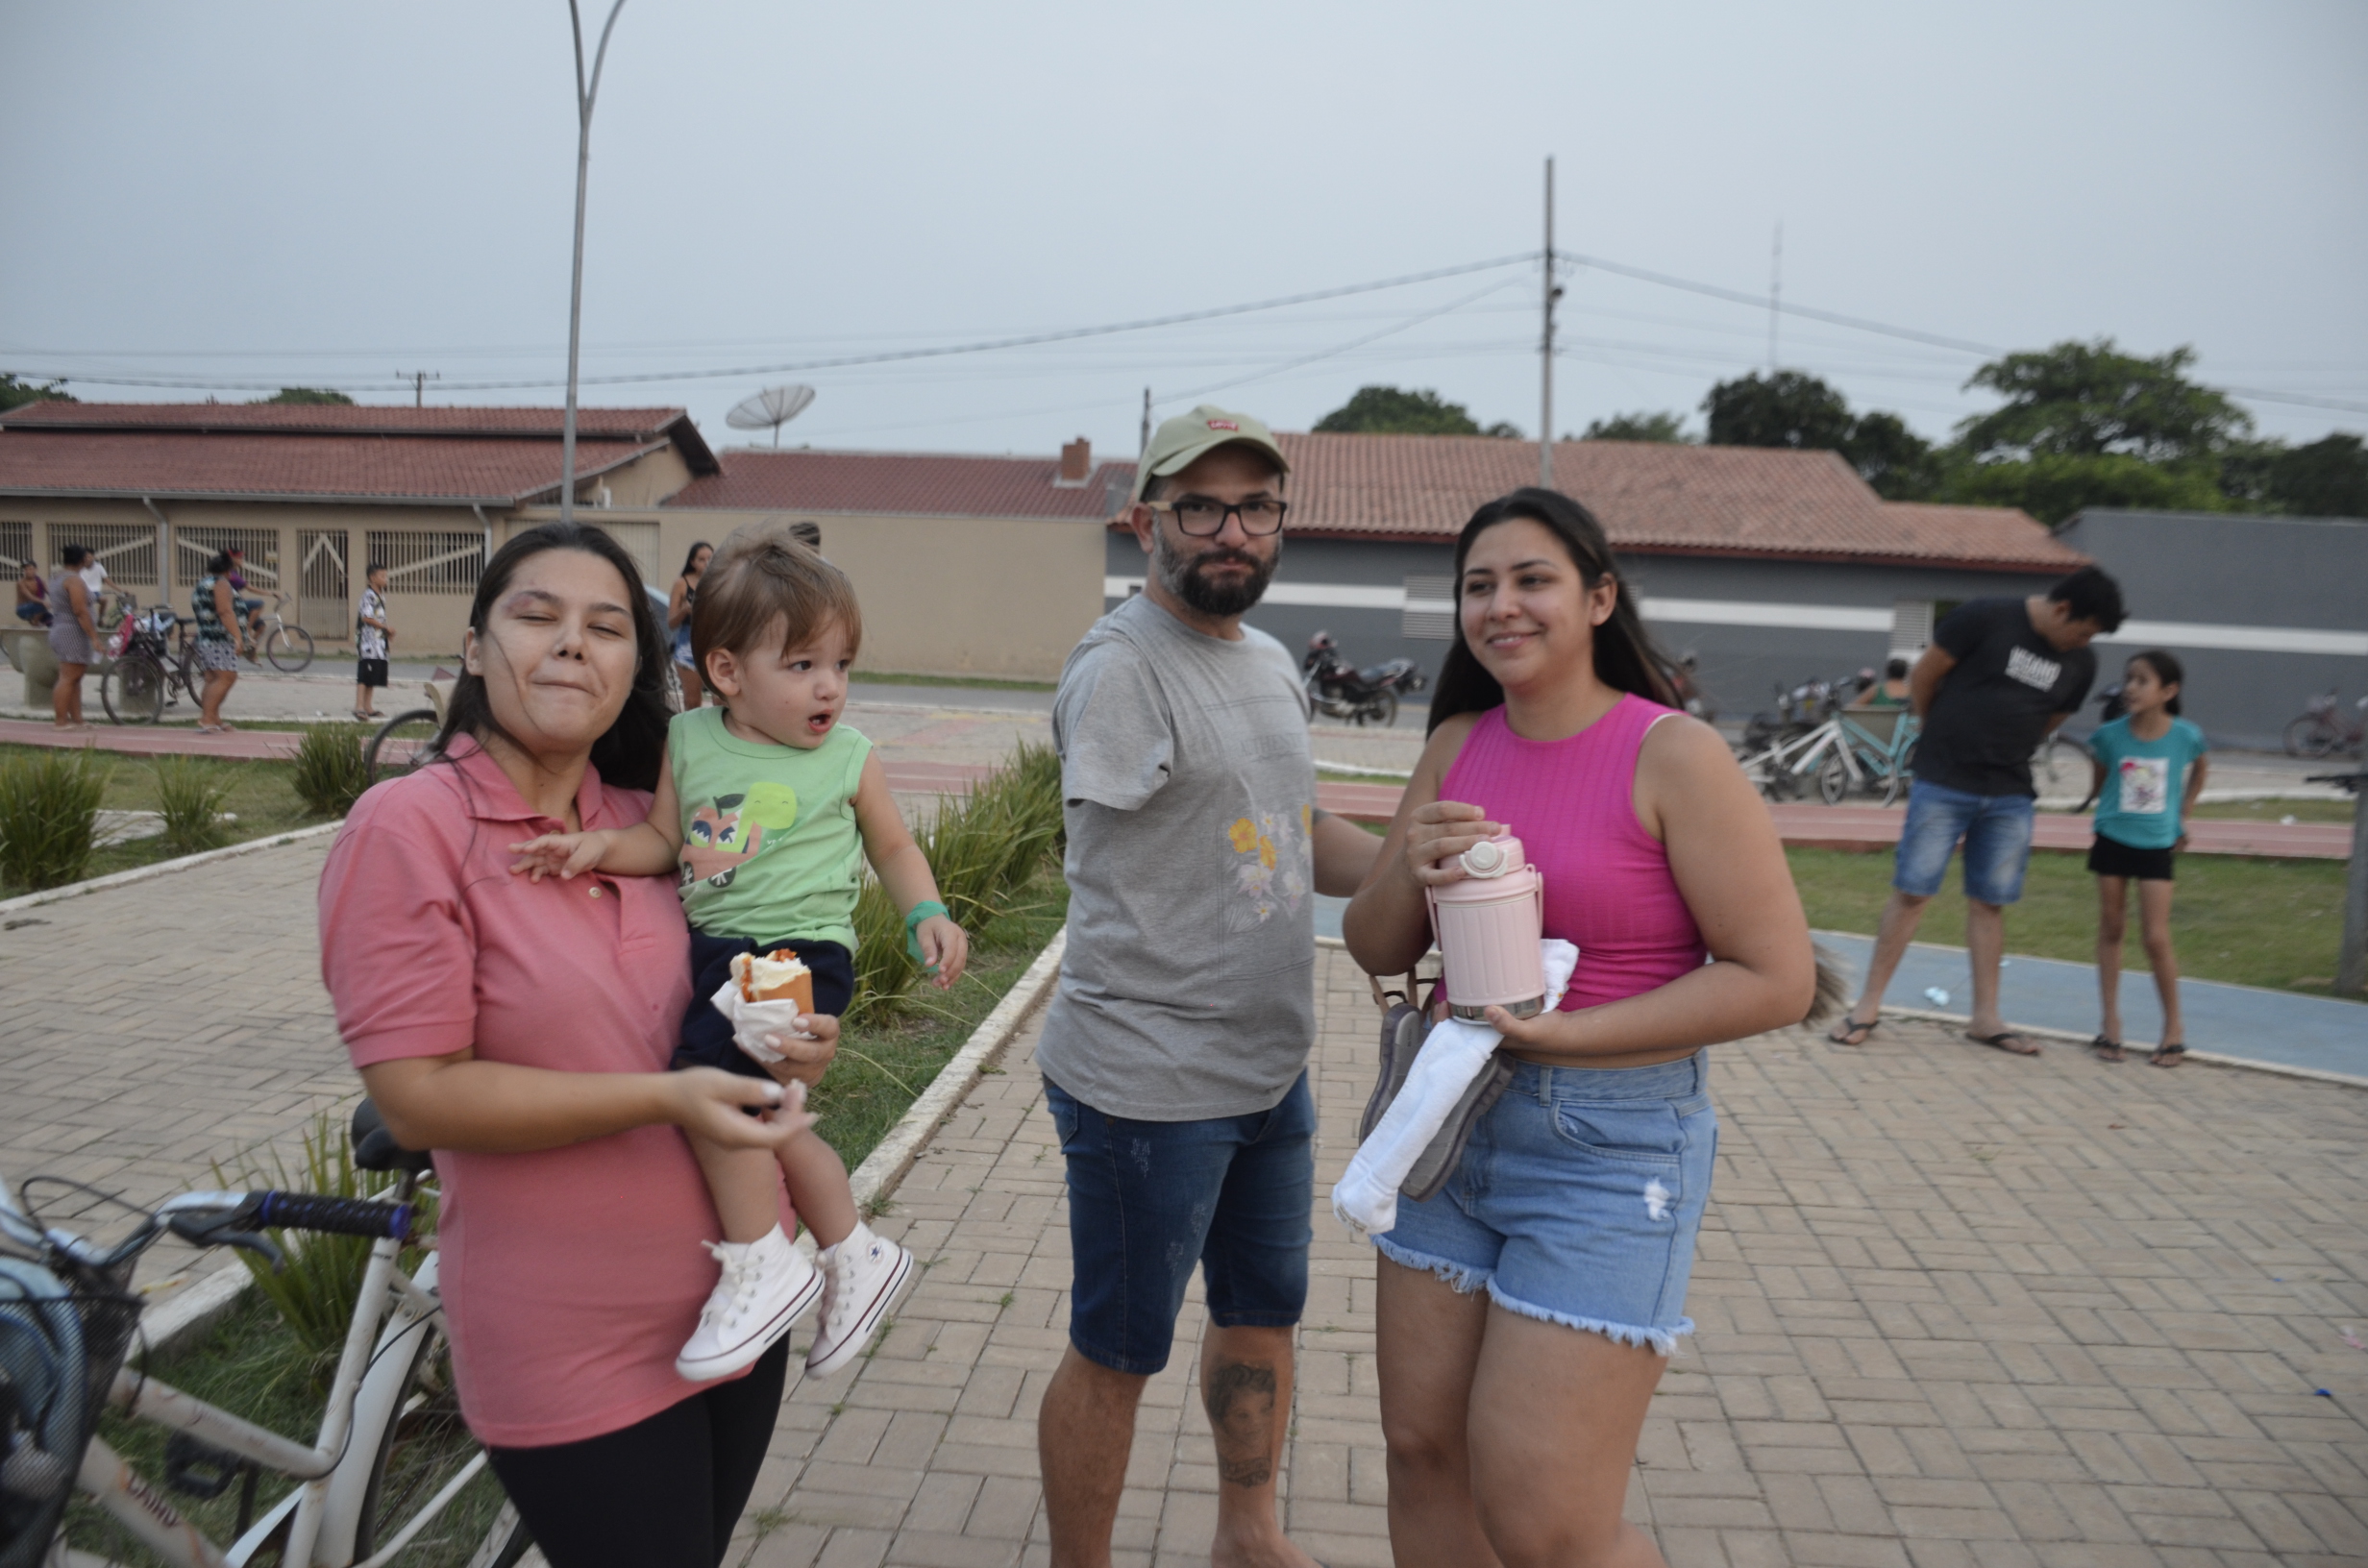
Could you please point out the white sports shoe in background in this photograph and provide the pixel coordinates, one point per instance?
(862, 1278)
(767, 1285)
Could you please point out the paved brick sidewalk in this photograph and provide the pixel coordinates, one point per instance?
(1956, 1308)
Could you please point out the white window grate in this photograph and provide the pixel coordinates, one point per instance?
(16, 544)
(1430, 609)
(1911, 627)
(194, 546)
(428, 563)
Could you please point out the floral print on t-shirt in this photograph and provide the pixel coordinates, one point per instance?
(1274, 864)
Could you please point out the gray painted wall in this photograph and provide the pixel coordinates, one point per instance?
(2221, 569)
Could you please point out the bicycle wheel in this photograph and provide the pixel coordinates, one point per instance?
(2309, 736)
(419, 1451)
(289, 648)
(2058, 769)
(399, 745)
(132, 691)
(1833, 779)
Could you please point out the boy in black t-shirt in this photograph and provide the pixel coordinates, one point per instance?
(2001, 674)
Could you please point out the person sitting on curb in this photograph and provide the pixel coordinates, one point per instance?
(2001, 675)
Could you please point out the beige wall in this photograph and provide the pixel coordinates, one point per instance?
(949, 595)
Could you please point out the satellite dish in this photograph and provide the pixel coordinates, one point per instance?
(770, 409)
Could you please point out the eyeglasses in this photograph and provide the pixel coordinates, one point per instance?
(1201, 518)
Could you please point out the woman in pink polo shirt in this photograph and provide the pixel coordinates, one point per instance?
(522, 1030)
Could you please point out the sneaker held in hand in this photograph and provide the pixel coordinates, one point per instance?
(767, 1285)
(862, 1278)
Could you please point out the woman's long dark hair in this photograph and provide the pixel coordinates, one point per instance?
(692, 559)
(1626, 657)
(627, 754)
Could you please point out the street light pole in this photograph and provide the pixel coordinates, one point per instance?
(585, 92)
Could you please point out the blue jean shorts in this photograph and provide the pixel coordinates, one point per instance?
(1578, 1200)
(1997, 832)
(1147, 1200)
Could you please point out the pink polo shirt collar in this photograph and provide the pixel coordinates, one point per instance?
(492, 798)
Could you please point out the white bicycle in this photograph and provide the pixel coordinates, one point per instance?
(390, 1456)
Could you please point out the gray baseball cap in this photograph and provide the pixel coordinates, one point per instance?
(1182, 441)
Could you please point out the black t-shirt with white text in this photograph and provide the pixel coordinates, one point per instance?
(1992, 708)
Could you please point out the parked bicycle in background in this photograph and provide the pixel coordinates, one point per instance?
(2324, 729)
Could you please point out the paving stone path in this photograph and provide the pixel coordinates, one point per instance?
(1956, 1308)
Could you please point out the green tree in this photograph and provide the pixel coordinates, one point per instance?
(309, 395)
(2053, 487)
(15, 393)
(1388, 410)
(1900, 464)
(2326, 478)
(1784, 408)
(2090, 399)
(1665, 428)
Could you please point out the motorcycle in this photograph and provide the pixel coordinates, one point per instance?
(1339, 690)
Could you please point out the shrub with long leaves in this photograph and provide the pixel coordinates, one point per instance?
(331, 773)
(316, 1289)
(49, 813)
(190, 795)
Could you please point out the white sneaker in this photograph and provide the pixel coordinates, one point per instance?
(862, 1278)
(766, 1287)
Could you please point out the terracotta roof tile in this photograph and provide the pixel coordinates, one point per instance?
(339, 419)
(907, 484)
(172, 463)
(1651, 497)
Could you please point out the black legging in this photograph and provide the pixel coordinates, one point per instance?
(664, 1492)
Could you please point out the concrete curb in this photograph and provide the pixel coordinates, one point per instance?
(192, 1311)
(163, 867)
(2066, 1037)
(894, 1155)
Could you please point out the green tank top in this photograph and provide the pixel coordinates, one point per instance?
(770, 847)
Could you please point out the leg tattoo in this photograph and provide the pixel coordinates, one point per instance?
(1241, 1417)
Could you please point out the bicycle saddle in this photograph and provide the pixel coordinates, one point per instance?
(375, 1147)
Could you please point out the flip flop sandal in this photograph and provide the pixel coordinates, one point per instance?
(1998, 1042)
(2169, 1056)
(2108, 1051)
(1839, 1034)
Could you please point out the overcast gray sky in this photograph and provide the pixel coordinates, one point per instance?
(253, 193)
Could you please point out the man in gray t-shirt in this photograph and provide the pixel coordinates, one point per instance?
(1174, 1052)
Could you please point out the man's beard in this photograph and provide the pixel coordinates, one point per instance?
(1181, 576)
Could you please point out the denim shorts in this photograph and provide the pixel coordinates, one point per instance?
(1997, 832)
(1149, 1199)
(1577, 1200)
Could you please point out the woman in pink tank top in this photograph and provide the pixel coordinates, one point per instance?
(1511, 1416)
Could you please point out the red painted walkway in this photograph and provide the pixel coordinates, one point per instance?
(1809, 825)
(1815, 825)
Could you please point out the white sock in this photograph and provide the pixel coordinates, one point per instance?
(855, 1240)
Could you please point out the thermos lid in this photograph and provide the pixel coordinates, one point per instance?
(1493, 857)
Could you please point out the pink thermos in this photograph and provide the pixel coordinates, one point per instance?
(1488, 926)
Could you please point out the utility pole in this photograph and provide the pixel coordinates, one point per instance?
(585, 92)
(1546, 347)
(419, 380)
(1775, 291)
(1145, 445)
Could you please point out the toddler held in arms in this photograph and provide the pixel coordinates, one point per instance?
(763, 810)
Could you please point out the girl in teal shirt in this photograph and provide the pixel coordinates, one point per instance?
(2150, 767)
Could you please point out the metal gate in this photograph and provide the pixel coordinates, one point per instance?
(324, 592)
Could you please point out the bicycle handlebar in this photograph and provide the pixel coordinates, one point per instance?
(331, 1216)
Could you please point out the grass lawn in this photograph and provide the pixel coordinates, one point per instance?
(2273, 924)
(262, 796)
(991, 683)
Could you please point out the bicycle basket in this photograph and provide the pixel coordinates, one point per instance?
(59, 1347)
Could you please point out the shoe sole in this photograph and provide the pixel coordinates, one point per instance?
(751, 1350)
(883, 1302)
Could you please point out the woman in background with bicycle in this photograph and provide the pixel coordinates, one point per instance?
(73, 636)
(522, 1030)
(678, 606)
(214, 606)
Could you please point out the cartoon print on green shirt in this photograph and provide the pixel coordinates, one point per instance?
(722, 838)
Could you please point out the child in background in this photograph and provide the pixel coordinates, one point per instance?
(762, 807)
(2150, 767)
(371, 634)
